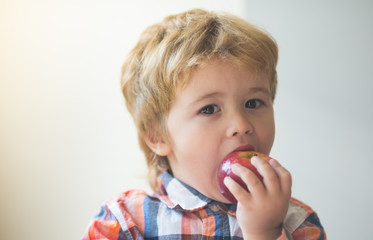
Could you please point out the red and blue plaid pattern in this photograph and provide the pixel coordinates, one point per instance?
(178, 211)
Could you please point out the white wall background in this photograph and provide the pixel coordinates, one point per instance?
(67, 143)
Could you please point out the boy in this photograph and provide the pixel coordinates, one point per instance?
(199, 86)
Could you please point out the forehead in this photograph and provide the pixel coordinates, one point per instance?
(224, 73)
(222, 77)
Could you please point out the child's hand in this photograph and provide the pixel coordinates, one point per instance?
(261, 212)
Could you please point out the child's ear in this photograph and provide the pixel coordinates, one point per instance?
(157, 145)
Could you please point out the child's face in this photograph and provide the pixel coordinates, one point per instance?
(222, 109)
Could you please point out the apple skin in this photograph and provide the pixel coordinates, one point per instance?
(225, 170)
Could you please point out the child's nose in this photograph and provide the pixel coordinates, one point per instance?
(239, 124)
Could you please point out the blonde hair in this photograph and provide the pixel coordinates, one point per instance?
(165, 55)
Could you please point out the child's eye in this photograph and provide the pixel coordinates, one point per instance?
(253, 103)
(210, 109)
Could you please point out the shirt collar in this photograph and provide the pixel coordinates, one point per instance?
(178, 195)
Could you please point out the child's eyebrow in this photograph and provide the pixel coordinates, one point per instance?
(206, 96)
(260, 89)
(217, 94)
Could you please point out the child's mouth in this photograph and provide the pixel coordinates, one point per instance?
(247, 147)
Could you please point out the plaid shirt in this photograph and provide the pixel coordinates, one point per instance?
(178, 211)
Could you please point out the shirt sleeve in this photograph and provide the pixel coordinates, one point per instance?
(310, 229)
(302, 223)
(106, 226)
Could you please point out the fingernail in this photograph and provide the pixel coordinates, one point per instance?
(235, 168)
(227, 180)
(255, 159)
(274, 162)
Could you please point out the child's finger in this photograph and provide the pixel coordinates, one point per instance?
(283, 175)
(270, 178)
(252, 182)
(237, 190)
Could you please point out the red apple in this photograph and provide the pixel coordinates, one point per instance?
(225, 169)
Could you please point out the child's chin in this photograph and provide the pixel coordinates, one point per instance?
(220, 198)
(224, 200)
